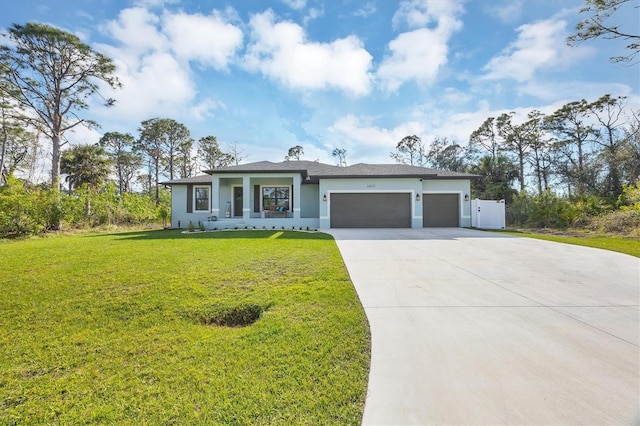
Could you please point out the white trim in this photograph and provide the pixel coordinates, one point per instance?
(210, 189)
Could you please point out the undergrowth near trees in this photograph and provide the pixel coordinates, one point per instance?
(587, 213)
(28, 210)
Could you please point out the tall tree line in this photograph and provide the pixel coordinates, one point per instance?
(583, 148)
(47, 77)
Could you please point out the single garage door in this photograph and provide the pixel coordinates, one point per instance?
(379, 210)
(440, 210)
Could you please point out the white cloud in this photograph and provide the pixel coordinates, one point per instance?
(314, 13)
(154, 85)
(419, 54)
(295, 4)
(280, 51)
(202, 110)
(506, 11)
(207, 39)
(368, 9)
(539, 46)
(453, 96)
(153, 60)
(361, 138)
(136, 28)
(420, 13)
(81, 135)
(154, 3)
(573, 90)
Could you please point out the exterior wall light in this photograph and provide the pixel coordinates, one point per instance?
(417, 197)
(324, 197)
(466, 197)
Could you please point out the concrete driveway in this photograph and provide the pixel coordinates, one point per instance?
(471, 327)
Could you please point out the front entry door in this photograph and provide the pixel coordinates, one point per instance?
(237, 201)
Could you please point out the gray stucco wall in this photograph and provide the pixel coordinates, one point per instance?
(413, 186)
(310, 201)
(461, 187)
(310, 197)
(179, 216)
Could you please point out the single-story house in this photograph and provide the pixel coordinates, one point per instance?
(321, 196)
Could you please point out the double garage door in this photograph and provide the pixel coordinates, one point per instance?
(390, 210)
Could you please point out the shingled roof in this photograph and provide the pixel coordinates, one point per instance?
(315, 169)
(311, 171)
(194, 179)
(391, 170)
(305, 167)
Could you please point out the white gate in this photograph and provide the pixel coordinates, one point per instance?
(488, 214)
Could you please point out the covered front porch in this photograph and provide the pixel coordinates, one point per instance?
(261, 197)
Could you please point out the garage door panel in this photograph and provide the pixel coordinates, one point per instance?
(379, 210)
(441, 210)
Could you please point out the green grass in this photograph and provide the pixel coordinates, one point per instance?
(103, 329)
(619, 244)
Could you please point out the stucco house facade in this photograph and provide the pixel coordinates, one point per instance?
(307, 194)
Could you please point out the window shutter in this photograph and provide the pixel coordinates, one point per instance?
(256, 198)
(189, 198)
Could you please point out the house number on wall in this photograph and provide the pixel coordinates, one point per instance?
(371, 186)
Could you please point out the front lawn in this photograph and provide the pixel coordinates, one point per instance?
(110, 329)
(629, 246)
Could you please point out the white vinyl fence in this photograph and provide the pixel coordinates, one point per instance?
(488, 214)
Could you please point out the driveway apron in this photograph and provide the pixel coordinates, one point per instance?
(472, 327)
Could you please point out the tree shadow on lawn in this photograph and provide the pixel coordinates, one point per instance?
(263, 234)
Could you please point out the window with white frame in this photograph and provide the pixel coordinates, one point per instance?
(201, 198)
(275, 198)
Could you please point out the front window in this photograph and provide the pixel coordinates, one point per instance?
(202, 198)
(275, 198)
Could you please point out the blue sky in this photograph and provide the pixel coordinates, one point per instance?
(353, 74)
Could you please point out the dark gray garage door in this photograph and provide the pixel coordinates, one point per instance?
(379, 210)
(440, 210)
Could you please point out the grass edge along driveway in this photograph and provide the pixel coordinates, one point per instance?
(630, 246)
(108, 329)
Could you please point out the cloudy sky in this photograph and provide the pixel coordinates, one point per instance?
(325, 74)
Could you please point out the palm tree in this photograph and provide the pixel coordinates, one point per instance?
(85, 165)
(496, 176)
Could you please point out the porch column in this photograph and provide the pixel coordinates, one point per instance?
(297, 181)
(246, 198)
(215, 196)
